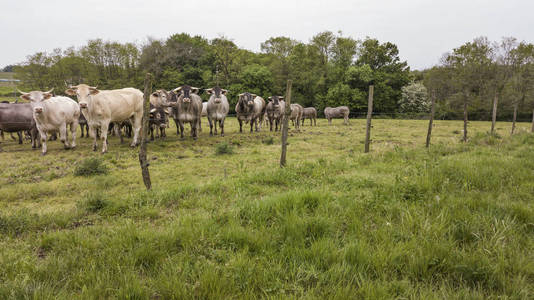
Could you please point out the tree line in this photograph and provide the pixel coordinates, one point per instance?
(328, 70)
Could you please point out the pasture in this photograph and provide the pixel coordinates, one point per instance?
(224, 221)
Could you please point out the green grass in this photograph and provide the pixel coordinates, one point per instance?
(452, 222)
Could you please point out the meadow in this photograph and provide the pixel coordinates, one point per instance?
(455, 221)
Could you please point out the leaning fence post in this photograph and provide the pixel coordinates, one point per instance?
(432, 110)
(285, 124)
(144, 132)
(369, 115)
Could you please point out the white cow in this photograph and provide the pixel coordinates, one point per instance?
(101, 107)
(53, 114)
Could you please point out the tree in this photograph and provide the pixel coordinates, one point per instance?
(470, 64)
(414, 99)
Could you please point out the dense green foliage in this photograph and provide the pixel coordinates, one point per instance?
(402, 222)
(328, 70)
(477, 72)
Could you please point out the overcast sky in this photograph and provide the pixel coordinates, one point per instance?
(422, 29)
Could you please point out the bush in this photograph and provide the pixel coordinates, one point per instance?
(224, 148)
(94, 202)
(89, 167)
(268, 140)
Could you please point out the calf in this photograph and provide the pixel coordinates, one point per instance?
(188, 108)
(310, 113)
(53, 114)
(296, 115)
(275, 111)
(157, 121)
(217, 108)
(337, 112)
(18, 117)
(250, 108)
(101, 107)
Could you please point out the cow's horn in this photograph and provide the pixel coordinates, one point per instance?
(49, 92)
(21, 92)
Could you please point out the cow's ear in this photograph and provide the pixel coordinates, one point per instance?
(224, 91)
(280, 98)
(254, 95)
(194, 90)
(25, 97)
(70, 92)
(93, 91)
(155, 94)
(47, 96)
(209, 91)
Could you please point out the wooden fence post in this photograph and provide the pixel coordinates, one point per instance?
(285, 124)
(532, 128)
(514, 117)
(369, 115)
(432, 110)
(494, 112)
(144, 132)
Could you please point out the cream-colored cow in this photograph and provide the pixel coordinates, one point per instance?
(101, 107)
(54, 114)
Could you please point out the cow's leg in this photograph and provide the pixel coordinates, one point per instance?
(194, 129)
(215, 124)
(137, 122)
(44, 137)
(73, 127)
(63, 135)
(151, 129)
(93, 134)
(211, 126)
(104, 136)
(34, 138)
(240, 126)
(19, 134)
(222, 127)
(2, 135)
(251, 125)
(181, 129)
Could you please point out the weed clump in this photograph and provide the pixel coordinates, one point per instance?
(94, 202)
(268, 140)
(224, 148)
(91, 166)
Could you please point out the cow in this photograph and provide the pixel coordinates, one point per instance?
(187, 108)
(203, 114)
(54, 114)
(296, 114)
(275, 111)
(18, 117)
(101, 107)
(250, 108)
(337, 112)
(83, 125)
(157, 121)
(310, 113)
(217, 108)
(162, 98)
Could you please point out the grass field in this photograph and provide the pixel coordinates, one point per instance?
(453, 222)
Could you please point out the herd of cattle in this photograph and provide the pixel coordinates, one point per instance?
(101, 112)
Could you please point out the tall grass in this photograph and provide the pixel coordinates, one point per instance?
(454, 221)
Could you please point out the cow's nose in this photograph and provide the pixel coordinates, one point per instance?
(83, 105)
(163, 125)
(217, 100)
(187, 100)
(38, 110)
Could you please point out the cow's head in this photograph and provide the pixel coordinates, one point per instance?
(216, 93)
(36, 98)
(246, 99)
(276, 100)
(158, 116)
(184, 93)
(83, 92)
(160, 98)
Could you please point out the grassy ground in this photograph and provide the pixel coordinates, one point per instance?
(401, 222)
